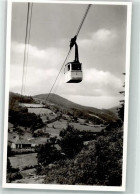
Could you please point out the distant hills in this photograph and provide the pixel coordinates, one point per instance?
(91, 113)
(63, 102)
(103, 114)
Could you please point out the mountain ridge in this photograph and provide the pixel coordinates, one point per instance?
(62, 102)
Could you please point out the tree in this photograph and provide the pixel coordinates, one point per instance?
(53, 140)
(122, 104)
(98, 163)
(25, 119)
(9, 167)
(47, 154)
(109, 158)
(71, 143)
(9, 151)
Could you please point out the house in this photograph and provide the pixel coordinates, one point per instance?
(27, 144)
(23, 144)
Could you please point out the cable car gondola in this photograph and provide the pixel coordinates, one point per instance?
(73, 70)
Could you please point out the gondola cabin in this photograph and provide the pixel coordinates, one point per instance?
(73, 72)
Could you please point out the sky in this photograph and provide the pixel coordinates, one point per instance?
(101, 43)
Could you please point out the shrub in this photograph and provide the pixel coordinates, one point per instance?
(80, 170)
(109, 163)
(9, 151)
(47, 154)
(25, 119)
(71, 142)
(100, 163)
(14, 176)
(10, 169)
(12, 173)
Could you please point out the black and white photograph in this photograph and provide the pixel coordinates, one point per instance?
(67, 92)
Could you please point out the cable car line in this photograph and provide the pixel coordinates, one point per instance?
(25, 52)
(26, 49)
(73, 70)
(27, 38)
(53, 84)
(28, 45)
(83, 19)
(56, 78)
(72, 43)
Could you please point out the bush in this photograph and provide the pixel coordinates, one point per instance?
(10, 169)
(71, 142)
(80, 170)
(47, 154)
(109, 160)
(9, 151)
(25, 119)
(12, 173)
(100, 163)
(13, 176)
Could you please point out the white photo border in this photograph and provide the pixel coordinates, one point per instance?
(7, 80)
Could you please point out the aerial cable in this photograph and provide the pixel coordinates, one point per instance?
(56, 78)
(25, 51)
(28, 40)
(71, 45)
(24, 58)
(29, 32)
(53, 84)
(79, 28)
(27, 37)
(83, 19)
(72, 42)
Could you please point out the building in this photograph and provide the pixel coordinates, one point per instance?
(27, 144)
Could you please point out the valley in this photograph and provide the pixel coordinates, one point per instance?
(46, 121)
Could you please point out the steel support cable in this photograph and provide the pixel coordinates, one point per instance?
(25, 61)
(59, 73)
(25, 51)
(83, 19)
(25, 48)
(29, 32)
(54, 83)
(57, 77)
(79, 28)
